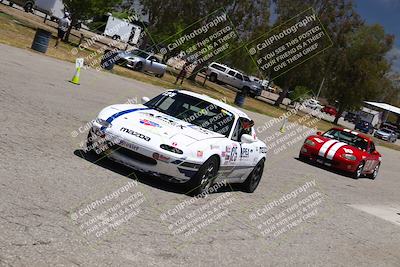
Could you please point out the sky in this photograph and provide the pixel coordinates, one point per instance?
(386, 13)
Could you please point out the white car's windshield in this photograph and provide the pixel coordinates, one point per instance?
(194, 111)
(348, 138)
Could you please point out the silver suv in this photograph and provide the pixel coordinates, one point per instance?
(223, 74)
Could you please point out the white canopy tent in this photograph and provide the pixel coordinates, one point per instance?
(384, 106)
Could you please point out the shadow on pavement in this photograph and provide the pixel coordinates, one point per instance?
(333, 170)
(143, 178)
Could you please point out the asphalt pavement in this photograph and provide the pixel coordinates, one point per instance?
(52, 193)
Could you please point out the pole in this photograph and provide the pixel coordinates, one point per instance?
(320, 87)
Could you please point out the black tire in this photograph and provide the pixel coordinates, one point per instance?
(246, 90)
(358, 173)
(159, 75)
(116, 37)
(139, 66)
(204, 177)
(91, 144)
(213, 77)
(303, 158)
(108, 60)
(373, 175)
(254, 178)
(78, 26)
(28, 7)
(10, 3)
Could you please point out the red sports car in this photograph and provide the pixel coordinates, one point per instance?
(345, 150)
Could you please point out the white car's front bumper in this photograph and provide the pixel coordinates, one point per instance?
(157, 162)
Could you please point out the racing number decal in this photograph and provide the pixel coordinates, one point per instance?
(233, 156)
(245, 152)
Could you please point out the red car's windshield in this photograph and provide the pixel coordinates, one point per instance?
(348, 138)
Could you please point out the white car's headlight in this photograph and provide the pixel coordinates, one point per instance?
(171, 149)
(103, 123)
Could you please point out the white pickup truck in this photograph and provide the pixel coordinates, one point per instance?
(220, 73)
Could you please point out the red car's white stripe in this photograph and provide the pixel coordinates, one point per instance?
(325, 147)
(332, 151)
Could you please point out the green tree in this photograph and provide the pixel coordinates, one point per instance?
(249, 17)
(361, 69)
(299, 94)
(86, 9)
(339, 18)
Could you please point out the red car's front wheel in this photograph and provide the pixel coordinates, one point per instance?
(359, 171)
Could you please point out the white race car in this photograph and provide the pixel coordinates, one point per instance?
(184, 137)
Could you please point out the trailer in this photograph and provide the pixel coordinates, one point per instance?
(123, 30)
(53, 8)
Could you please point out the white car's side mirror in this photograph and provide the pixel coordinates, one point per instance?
(145, 99)
(247, 139)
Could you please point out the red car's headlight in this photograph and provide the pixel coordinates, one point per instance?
(349, 156)
(309, 142)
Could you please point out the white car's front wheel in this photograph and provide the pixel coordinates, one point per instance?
(204, 178)
(252, 181)
(93, 143)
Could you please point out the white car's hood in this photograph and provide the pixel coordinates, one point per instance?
(156, 124)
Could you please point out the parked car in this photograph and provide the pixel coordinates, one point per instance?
(351, 117)
(364, 126)
(313, 104)
(140, 61)
(392, 127)
(223, 74)
(386, 134)
(329, 110)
